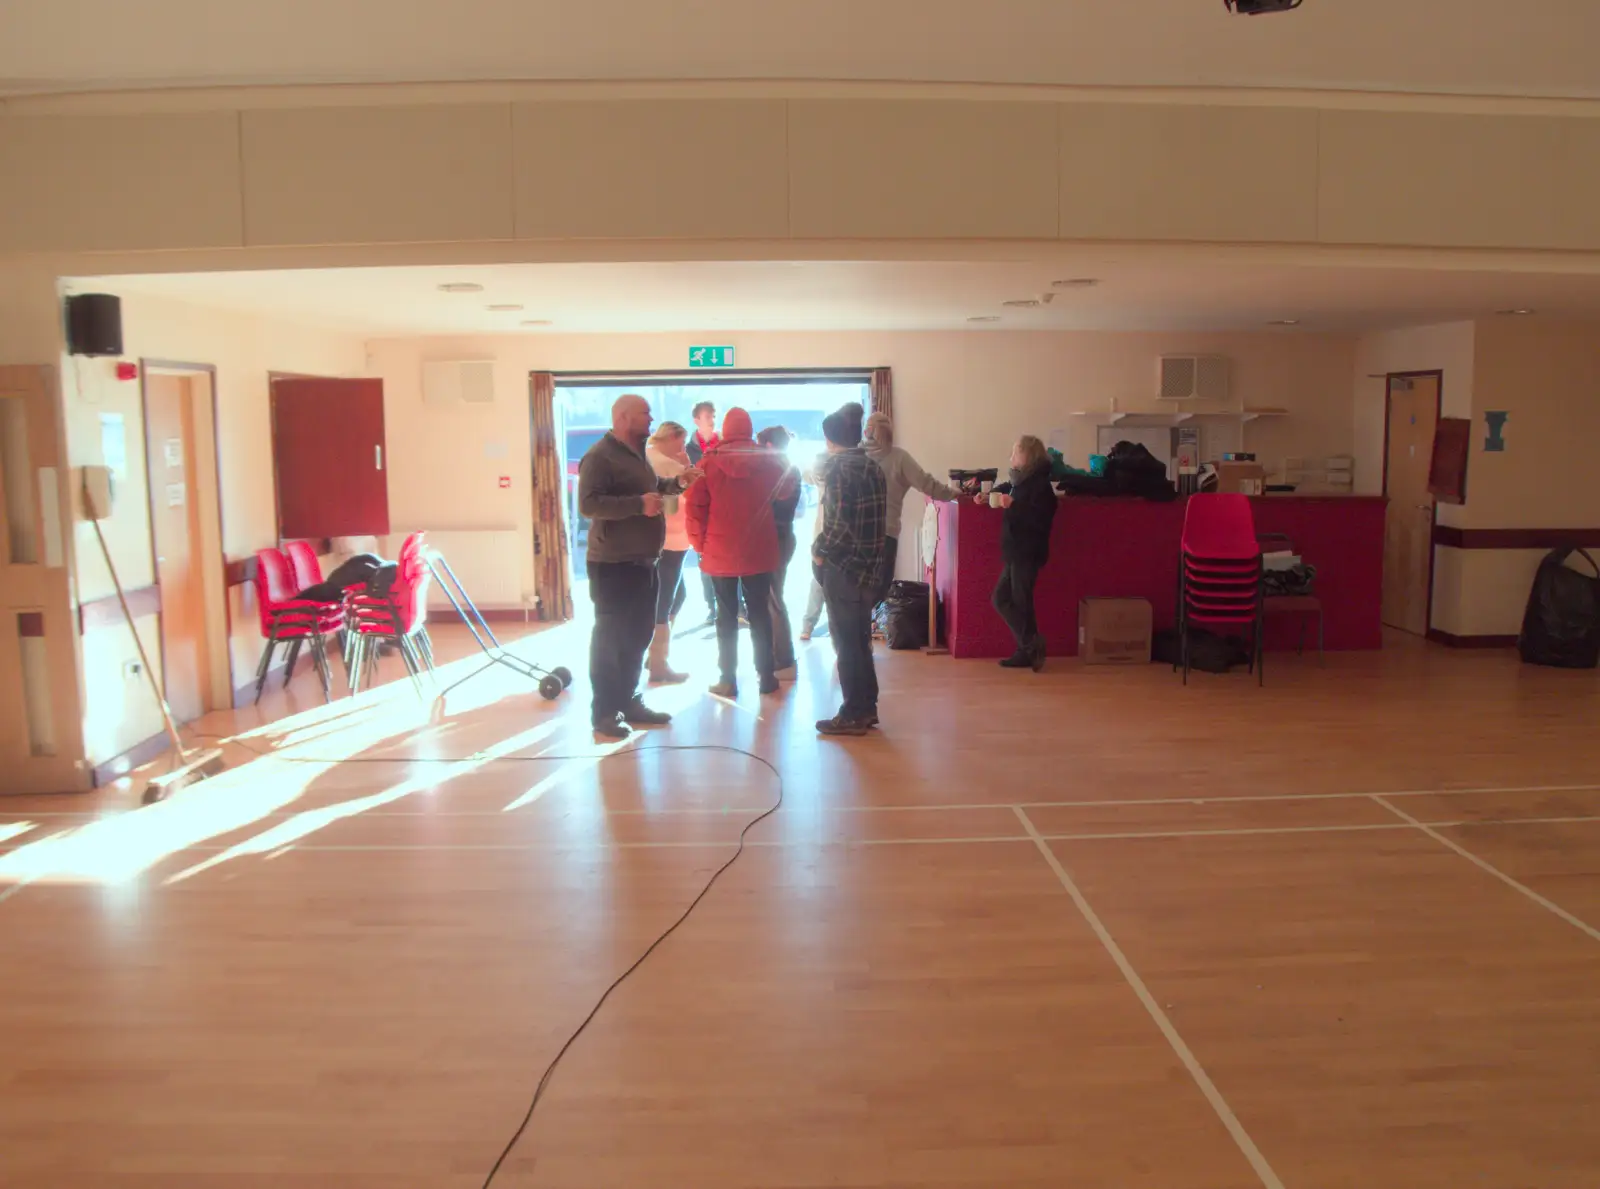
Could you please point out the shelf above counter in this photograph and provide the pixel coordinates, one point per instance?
(1178, 416)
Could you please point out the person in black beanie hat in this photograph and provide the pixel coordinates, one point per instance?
(845, 556)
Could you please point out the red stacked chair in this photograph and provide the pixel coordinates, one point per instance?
(1219, 574)
(290, 621)
(398, 616)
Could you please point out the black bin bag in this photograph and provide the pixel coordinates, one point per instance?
(1561, 626)
(904, 615)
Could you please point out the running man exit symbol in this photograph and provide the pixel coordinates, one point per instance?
(710, 356)
(1494, 443)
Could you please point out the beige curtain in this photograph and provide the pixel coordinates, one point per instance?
(551, 577)
(882, 392)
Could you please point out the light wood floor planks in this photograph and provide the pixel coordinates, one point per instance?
(1088, 929)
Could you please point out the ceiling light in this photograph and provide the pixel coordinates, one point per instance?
(461, 287)
(537, 322)
(505, 309)
(1519, 312)
(1021, 303)
(984, 318)
(1076, 283)
(1284, 322)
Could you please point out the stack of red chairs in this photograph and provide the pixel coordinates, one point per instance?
(1219, 575)
(398, 616)
(290, 621)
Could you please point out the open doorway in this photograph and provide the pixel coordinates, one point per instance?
(1413, 416)
(796, 400)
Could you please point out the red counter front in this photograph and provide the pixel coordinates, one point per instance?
(1128, 548)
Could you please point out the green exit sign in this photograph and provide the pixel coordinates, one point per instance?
(710, 356)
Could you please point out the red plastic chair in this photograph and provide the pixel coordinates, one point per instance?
(1219, 574)
(398, 616)
(303, 562)
(287, 620)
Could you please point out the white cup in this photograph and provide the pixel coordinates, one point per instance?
(996, 500)
(986, 486)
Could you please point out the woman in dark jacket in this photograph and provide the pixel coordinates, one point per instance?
(1029, 501)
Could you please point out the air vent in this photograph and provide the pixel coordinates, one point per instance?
(1193, 377)
(457, 381)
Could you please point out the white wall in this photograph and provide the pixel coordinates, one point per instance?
(961, 399)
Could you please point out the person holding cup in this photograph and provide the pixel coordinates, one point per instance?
(1028, 502)
(669, 457)
(624, 499)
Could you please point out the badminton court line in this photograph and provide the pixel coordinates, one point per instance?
(1489, 867)
(1208, 1088)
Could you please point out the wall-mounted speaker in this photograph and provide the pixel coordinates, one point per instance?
(94, 324)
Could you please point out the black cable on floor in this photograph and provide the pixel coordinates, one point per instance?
(599, 757)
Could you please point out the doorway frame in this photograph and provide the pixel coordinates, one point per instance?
(213, 566)
(1433, 373)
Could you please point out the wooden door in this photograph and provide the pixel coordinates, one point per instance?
(328, 458)
(1408, 522)
(175, 538)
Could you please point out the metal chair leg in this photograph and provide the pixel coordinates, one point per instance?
(319, 657)
(266, 661)
(294, 655)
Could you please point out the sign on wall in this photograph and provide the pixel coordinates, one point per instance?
(710, 356)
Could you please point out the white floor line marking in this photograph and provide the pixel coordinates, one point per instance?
(935, 807)
(1208, 1088)
(1485, 865)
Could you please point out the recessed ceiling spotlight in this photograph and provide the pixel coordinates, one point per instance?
(984, 318)
(508, 308)
(461, 287)
(1284, 322)
(1076, 283)
(1518, 312)
(1021, 303)
(537, 322)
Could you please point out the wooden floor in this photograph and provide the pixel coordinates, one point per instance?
(1089, 929)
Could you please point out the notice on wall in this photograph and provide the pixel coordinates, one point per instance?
(505, 482)
(176, 495)
(173, 449)
(496, 449)
(114, 445)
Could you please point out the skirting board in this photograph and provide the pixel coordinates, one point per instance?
(1450, 640)
(139, 754)
(245, 695)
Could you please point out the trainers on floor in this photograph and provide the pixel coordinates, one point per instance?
(1018, 660)
(611, 728)
(639, 715)
(839, 725)
(724, 689)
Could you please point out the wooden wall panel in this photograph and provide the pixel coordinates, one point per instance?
(87, 183)
(378, 174)
(910, 169)
(661, 169)
(1228, 174)
(1443, 180)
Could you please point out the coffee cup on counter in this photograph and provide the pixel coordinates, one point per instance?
(986, 486)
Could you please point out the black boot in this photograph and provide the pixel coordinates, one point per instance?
(1020, 659)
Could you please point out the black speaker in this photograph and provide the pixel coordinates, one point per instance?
(94, 324)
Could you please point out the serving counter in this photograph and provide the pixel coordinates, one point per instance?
(1128, 548)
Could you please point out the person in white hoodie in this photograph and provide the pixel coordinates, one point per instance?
(669, 457)
(903, 474)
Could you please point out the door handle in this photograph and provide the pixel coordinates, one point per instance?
(377, 452)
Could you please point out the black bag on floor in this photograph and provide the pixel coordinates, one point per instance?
(904, 615)
(1208, 652)
(1561, 626)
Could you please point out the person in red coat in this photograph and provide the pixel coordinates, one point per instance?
(730, 522)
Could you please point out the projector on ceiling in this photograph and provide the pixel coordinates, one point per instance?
(1254, 8)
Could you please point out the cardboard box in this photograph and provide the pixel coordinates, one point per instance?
(1114, 631)
(1241, 478)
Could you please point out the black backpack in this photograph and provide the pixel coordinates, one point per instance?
(1561, 626)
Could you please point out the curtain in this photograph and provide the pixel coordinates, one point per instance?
(551, 580)
(882, 392)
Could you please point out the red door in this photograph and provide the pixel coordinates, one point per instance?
(328, 458)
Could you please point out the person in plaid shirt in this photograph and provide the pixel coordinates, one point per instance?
(846, 554)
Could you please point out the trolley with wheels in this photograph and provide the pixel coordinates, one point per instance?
(551, 681)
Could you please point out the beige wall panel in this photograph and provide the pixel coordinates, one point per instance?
(913, 170)
(378, 174)
(652, 169)
(88, 183)
(1146, 171)
(1455, 180)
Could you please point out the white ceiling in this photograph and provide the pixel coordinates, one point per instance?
(1483, 47)
(1135, 293)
